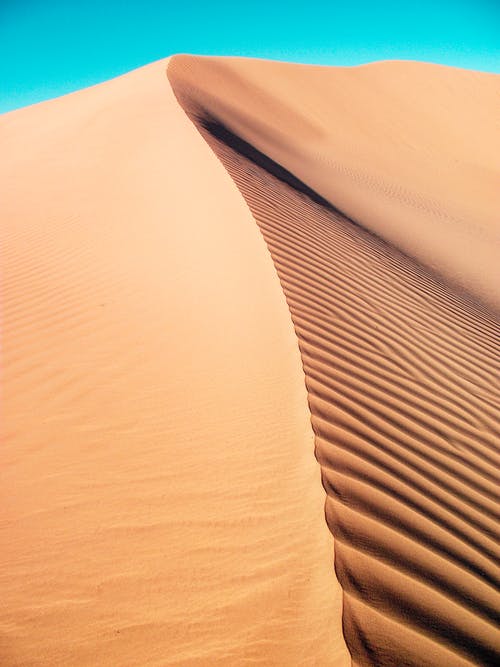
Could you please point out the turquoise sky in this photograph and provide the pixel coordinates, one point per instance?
(51, 47)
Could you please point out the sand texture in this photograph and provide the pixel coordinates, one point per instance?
(161, 504)
(213, 270)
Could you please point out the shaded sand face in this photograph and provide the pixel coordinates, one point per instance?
(409, 150)
(162, 503)
(402, 375)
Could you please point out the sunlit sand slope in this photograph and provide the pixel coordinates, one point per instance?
(161, 504)
(402, 372)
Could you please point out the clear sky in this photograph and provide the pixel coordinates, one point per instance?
(51, 47)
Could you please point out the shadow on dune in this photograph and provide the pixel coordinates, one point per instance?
(401, 377)
(223, 134)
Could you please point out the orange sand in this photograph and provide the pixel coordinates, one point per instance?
(162, 504)
(410, 150)
(161, 501)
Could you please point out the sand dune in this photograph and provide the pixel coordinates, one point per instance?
(409, 150)
(402, 376)
(162, 503)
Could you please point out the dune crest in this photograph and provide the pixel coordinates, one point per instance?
(208, 281)
(409, 150)
(402, 376)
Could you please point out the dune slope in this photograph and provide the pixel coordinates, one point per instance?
(401, 360)
(409, 150)
(161, 504)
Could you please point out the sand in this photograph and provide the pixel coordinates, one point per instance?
(161, 500)
(409, 150)
(203, 288)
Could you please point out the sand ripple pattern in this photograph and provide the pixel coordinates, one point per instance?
(402, 377)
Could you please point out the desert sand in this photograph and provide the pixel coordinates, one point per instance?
(235, 290)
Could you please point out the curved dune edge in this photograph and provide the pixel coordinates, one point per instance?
(385, 143)
(401, 372)
(161, 504)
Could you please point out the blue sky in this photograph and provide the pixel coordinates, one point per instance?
(51, 47)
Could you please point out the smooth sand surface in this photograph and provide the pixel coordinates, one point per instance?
(161, 504)
(161, 500)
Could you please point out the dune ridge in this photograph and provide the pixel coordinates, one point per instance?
(171, 275)
(401, 369)
(385, 142)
